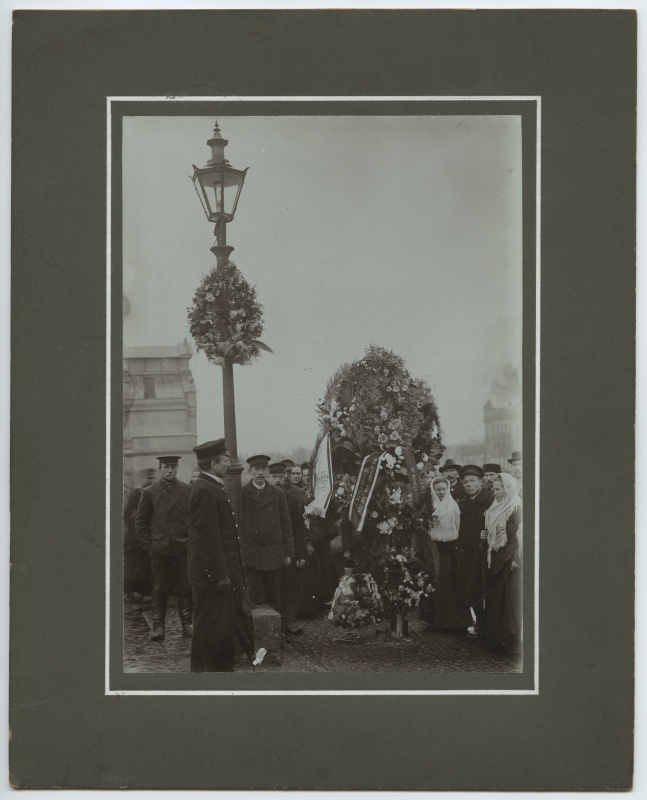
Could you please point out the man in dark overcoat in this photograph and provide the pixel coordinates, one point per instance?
(137, 561)
(450, 470)
(162, 525)
(215, 562)
(268, 542)
(291, 574)
(471, 568)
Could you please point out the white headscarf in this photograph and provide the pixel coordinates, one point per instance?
(448, 514)
(499, 512)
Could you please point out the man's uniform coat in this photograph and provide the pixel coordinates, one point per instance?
(214, 554)
(267, 529)
(162, 519)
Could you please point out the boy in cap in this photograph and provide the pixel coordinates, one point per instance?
(471, 565)
(162, 526)
(215, 562)
(291, 574)
(268, 543)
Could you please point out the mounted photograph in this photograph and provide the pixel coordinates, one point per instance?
(323, 405)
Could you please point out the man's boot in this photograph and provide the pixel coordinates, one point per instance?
(158, 610)
(185, 611)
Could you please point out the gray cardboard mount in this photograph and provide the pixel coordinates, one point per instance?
(576, 732)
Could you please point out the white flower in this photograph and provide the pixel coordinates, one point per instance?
(420, 464)
(340, 491)
(425, 457)
(374, 514)
(398, 451)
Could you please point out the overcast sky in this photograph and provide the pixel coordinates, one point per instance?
(399, 231)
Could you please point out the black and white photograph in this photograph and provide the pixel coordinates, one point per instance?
(322, 393)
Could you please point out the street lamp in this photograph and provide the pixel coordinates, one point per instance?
(218, 186)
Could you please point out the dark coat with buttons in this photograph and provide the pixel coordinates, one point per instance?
(162, 518)
(471, 555)
(214, 546)
(266, 527)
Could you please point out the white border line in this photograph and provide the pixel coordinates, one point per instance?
(319, 98)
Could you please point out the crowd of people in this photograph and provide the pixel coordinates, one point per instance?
(187, 540)
(476, 551)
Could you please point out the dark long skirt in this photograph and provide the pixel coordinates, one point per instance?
(503, 606)
(442, 609)
(311, 594)
(327, 568)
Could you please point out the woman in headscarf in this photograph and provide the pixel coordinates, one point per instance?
(503, 599)
(446, 611)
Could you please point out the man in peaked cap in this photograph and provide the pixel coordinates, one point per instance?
(291, 574)
(450, 470)
(471, 563)
(268, 542)
(162, 526)
(287, 475)
(491, 471)
(215, 562)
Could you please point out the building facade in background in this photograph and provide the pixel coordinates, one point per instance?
(502, 416)
(502, 419)
(159, 409)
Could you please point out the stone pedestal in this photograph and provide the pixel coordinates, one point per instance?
(267, 633)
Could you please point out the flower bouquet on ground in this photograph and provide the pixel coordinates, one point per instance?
(383, 431)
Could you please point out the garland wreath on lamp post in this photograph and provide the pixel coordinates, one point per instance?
(382, 427)
(225, 321)
(225, 318)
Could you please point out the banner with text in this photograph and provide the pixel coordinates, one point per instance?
(323, 480)
(415, 478)
(364, 487)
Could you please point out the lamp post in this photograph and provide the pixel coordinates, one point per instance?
(218, 186)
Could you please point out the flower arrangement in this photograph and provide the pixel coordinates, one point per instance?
(375, 406)
(226, 319)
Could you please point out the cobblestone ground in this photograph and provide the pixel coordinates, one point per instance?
(322, 648)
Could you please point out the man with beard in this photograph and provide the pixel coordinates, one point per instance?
(162, 525)
(491, 473)
(291, 574)
(450, 470)
(215, 562)
(471, 566)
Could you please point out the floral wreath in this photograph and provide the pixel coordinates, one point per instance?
(226, 319)
(372, 406)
